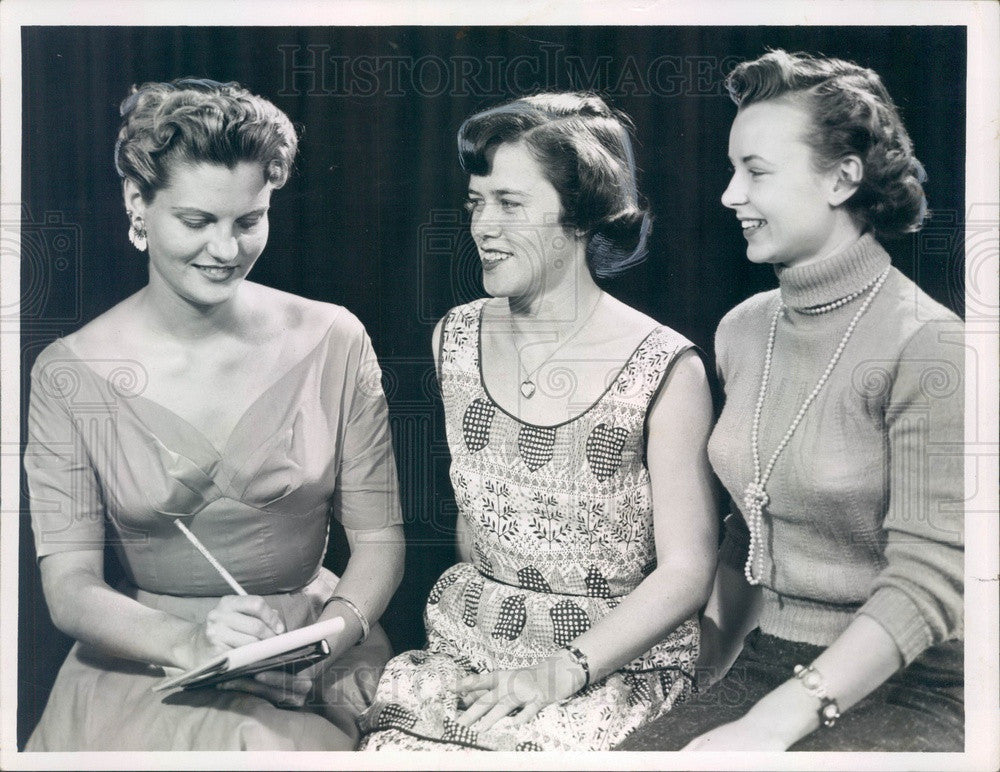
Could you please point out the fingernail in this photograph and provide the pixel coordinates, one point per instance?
(280, 627)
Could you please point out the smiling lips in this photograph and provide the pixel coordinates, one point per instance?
(492, 258)
(216, 272)
(752, 226)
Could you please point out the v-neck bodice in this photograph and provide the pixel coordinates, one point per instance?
(107, 455)
(247, 424)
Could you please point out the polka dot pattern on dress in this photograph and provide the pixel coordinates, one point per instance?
(470, 610)
(511, 618)
(395, 716)
(604, 450)
(476, 424)
(530, 578)
(445, 581)
(535, 444)
(455, 732)
(597, 585)
(571, 514)
(568, 621)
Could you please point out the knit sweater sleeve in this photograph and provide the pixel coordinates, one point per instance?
(917, 597)
(736, 537)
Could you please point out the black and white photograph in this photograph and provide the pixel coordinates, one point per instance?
(541, 386)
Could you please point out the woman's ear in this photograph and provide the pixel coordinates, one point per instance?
(134, 202)
(847, 176)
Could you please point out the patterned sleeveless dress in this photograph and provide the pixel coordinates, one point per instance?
(561, 525)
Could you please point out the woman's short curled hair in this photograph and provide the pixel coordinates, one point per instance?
(852, 114)
(195, 120)
(585, 150)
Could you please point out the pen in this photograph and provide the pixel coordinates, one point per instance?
(211, 558)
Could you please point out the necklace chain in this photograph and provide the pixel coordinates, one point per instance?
(527, 384)
(755, 498)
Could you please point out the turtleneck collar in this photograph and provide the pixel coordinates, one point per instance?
(835, 277)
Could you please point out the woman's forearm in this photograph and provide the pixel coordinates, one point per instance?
(372, 575)
(85, 608)
(730, 614)
(852, 667)
(647, 615)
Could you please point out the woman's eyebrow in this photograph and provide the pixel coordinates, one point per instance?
(499, 192)
(196, 211)
(189, 210)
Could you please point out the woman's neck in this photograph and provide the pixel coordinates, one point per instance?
(167, 314)
(563, 304)
(845, 232)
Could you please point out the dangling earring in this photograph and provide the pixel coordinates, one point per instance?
(136, 232)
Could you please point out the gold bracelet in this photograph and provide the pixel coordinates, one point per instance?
(812, 680)
(365, 626)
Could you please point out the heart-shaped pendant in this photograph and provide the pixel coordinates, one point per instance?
(527, 389)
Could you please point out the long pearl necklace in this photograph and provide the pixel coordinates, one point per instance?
(755, 497)
(528, 384)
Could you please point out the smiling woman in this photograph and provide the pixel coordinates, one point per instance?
(577, 428)
(839, 586)
(248, 414)
(789, 211)
(206, 229)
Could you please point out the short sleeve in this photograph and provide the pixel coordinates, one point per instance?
(366, 496)
(67, 510)
(918, 596)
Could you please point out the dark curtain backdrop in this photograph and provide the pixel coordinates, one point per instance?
(371, 219)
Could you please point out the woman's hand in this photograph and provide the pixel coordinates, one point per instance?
(744, 734)
(286, 690)
(492, 696)
(235, 621)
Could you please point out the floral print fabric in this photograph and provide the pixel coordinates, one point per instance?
(561, 524)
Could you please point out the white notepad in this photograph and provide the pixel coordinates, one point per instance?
(290, 651)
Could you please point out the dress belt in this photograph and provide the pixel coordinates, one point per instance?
(550, 591)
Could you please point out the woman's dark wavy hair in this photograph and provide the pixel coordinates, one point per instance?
(852, 114)
(194, 120)
(585, 150)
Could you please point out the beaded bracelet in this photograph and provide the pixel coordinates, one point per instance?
(580, 659)
(813, 682)
(365, 626)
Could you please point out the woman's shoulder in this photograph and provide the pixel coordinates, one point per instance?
(99, 340)
(89, 361)
(756, 310)
(303, 318)
(914, 310)
(918, 328)
(656, 337)
(468, 311)
(465, 317)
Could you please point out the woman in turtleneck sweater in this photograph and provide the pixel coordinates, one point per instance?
(840, 442)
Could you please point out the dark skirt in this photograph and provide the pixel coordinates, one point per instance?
(921, 708)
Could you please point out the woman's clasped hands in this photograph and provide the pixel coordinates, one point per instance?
(486, 698)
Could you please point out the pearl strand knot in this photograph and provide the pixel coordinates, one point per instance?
(755, 498)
